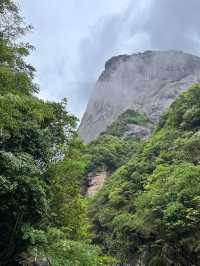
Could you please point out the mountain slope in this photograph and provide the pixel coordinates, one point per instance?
(151, 205)
(114, 147)
(146, 82)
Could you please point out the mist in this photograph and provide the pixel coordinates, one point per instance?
(74, 41)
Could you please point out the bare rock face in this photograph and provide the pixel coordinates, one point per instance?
(146, 82)
(138, 131)
(96, 182)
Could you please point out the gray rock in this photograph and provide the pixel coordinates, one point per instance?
(138, 131)
(146, 82)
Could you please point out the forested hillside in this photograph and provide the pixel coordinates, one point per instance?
(147, 213)
(116, 145)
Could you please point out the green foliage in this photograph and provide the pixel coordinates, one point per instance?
(33, 126)
(60, 251)
(184, 113)
(148, 208)
(23, 200)
(67, 208)
(112, 148)
(170, 201)
(109, 152)
(41, 162)
(121, 125)
(152, 202)
(11, 23)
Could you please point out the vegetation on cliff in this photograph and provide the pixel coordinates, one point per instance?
(121, 126)
(114, 147)
(150, 206)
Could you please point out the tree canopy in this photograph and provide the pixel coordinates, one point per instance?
(150, 205)
(42, 212)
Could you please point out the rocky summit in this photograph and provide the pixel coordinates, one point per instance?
(145, 82)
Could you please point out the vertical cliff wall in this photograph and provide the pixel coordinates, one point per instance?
(146, 82)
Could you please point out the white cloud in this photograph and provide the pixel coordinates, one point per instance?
(74, 38)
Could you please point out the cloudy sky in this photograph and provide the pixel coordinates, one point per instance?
(74, 38)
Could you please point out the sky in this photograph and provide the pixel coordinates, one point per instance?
(74, 39)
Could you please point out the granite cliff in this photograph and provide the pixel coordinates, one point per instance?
(145, 82)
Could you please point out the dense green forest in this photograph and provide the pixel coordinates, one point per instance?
(42, 214)
(114, 147)
(150, 206)
(148, 210)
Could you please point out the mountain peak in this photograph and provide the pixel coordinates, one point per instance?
(145, 82)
